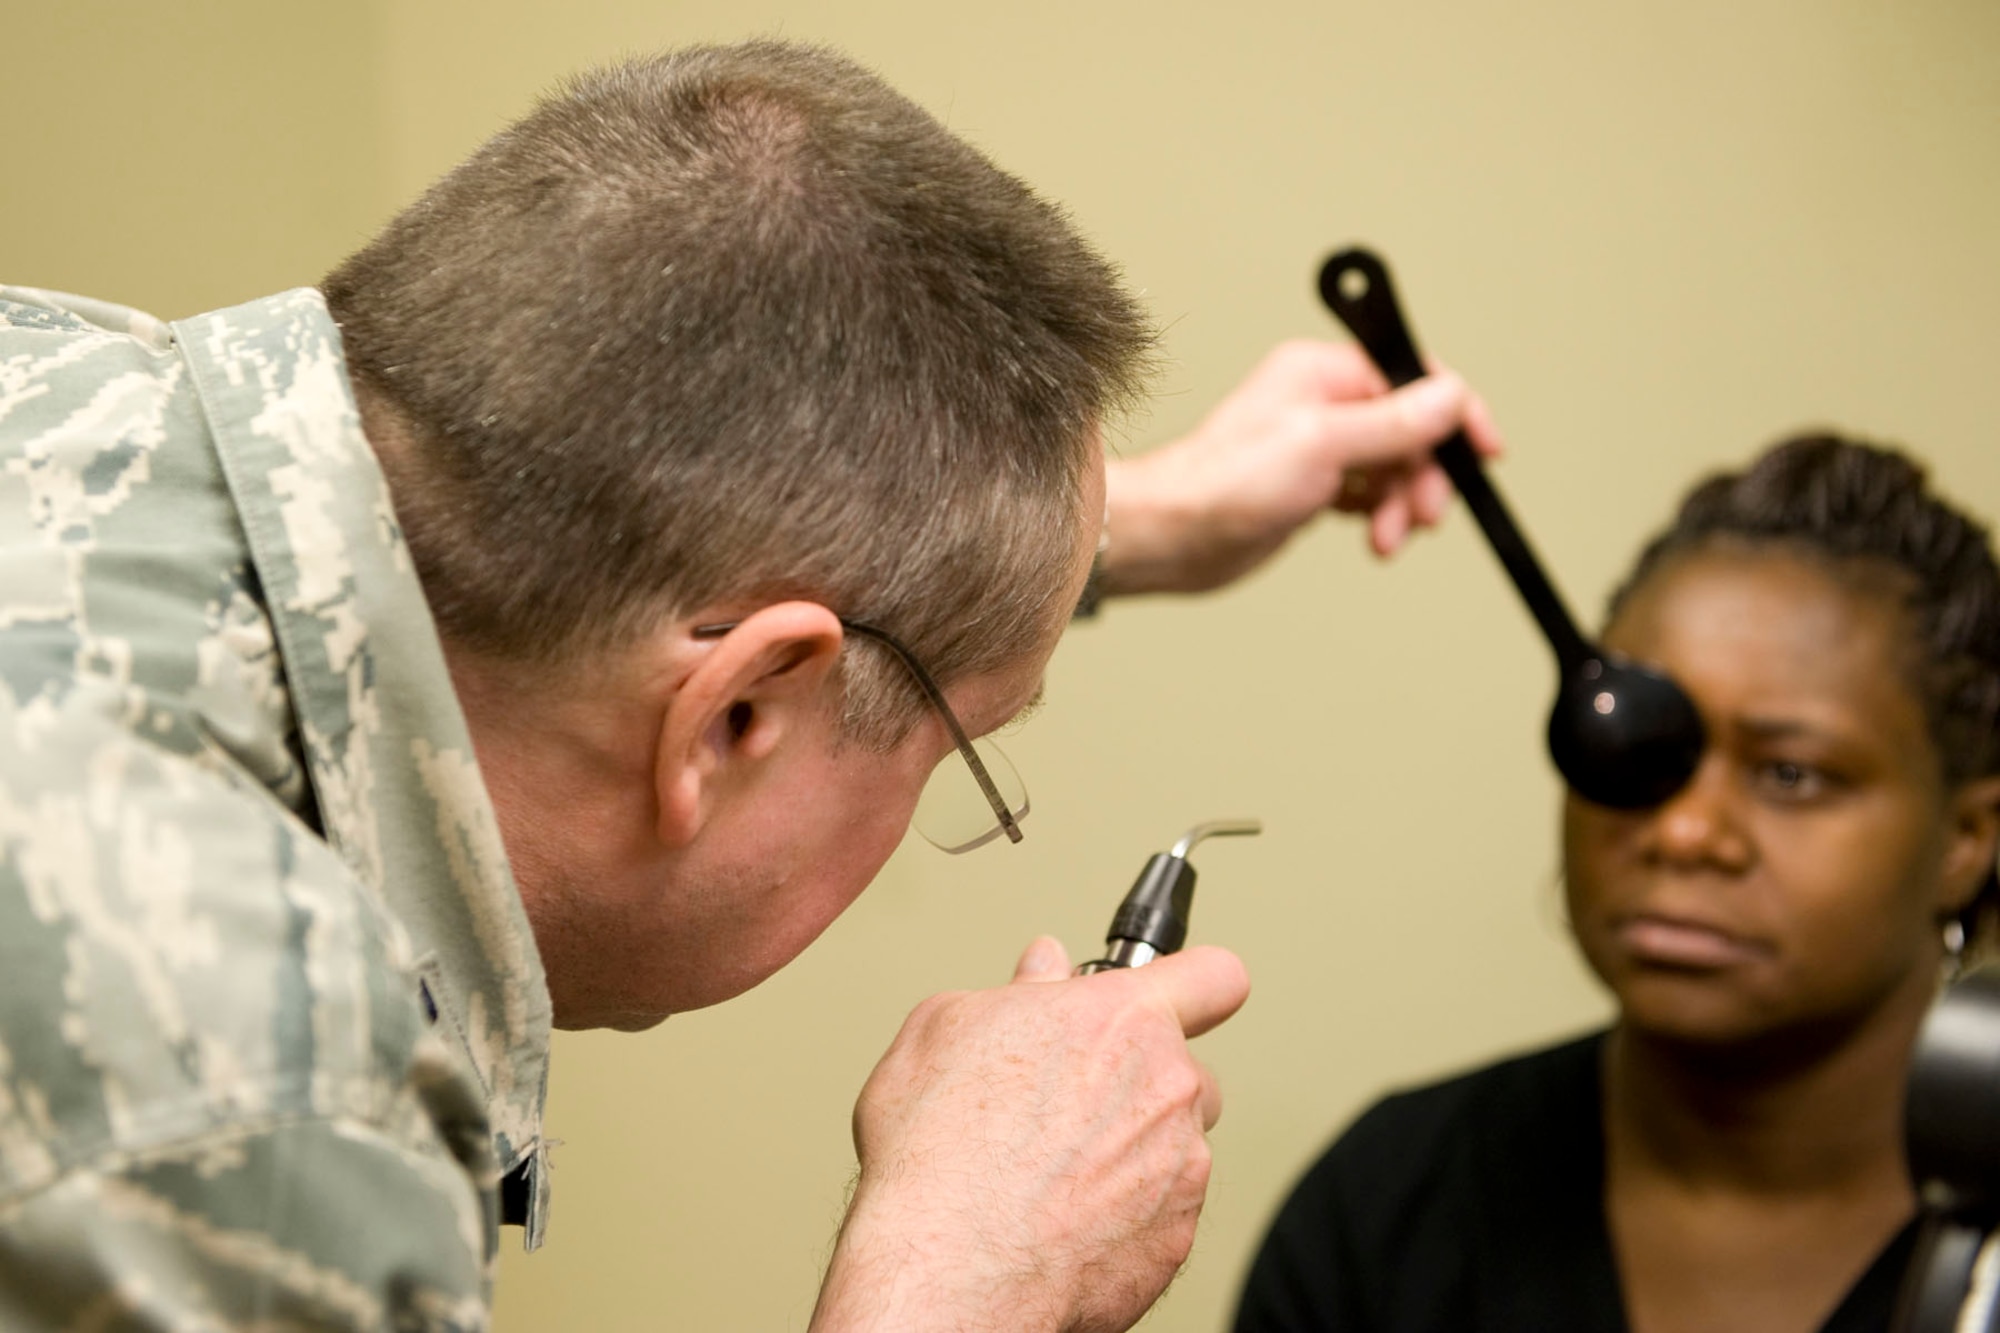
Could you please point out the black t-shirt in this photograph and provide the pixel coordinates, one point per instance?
(1474, 1204)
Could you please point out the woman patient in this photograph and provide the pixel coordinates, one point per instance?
(1729, 1154)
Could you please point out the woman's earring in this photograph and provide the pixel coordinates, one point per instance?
(1954, 948)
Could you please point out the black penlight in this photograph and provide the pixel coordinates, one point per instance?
(1621, 735)
(1152, 920)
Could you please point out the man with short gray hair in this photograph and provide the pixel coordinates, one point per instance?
(742, 428)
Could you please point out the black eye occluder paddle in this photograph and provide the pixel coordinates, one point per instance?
(1620, 734)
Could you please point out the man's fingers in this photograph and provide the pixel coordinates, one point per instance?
(1400, 424)
(1043, 960)
(1390, 523)
(1430, 496)
(1482, 430)
(1340, 371)
(1211, 1099)
(1204, 984)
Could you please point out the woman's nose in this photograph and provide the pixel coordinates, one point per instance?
(1701, 824)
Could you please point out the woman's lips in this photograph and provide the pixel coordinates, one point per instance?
(1671, 942)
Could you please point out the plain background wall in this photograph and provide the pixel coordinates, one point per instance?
(1656, 236)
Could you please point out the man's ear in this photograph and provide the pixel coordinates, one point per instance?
(1975, 839)
(756, 689)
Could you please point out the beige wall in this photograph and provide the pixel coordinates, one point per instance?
(184, 156)
(1656, 235)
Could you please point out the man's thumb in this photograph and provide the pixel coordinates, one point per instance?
(1044, 960)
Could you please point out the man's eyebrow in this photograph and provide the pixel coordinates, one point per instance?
(1033, 706)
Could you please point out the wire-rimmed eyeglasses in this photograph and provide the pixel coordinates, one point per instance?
(951, 815)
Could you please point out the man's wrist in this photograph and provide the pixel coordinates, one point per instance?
(893, 1272)
(1092, 597)
(1093, 593)
(1147, 536)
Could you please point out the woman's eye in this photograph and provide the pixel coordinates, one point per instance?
(1791, 780)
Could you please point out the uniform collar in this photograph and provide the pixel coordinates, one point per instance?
(386, 745)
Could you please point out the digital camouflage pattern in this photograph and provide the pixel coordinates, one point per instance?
(244, 854)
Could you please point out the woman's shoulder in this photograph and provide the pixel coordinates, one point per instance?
(1457, 1204)
(1508, 1114)
(1524, 1082)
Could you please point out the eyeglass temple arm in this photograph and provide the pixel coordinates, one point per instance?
(958, 736)
(931, 692)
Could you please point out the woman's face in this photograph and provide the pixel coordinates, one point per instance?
(1800, 880)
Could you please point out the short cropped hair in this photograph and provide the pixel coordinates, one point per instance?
(737, 324)
(1868, 514)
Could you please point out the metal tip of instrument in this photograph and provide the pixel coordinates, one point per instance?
(1215, 828)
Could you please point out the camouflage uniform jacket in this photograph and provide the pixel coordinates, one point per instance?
(272, 1024)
